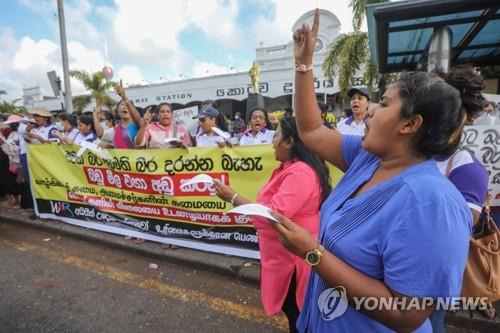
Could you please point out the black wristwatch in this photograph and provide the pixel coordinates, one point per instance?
(313, 257)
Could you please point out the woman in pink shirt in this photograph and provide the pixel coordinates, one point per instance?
(296, 189)
(153, 135)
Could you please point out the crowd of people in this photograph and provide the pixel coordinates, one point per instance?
(398, 223)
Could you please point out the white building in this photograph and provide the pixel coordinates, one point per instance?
(231, 90)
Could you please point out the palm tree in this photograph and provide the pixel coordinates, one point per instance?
(96, 84)
(350, 52)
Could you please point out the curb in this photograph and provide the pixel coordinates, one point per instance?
(219, 263)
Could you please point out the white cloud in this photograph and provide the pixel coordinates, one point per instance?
(279, 30)
(34, 54)
(202, 69)
(130, 75)
(143, 38)
(218, 20)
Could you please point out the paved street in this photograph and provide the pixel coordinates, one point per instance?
(52, 283)
(55, 283)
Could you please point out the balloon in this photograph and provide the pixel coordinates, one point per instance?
(108, 73)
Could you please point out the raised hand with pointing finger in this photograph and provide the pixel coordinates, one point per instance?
(304, 40)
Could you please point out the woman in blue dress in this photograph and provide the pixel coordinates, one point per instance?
(394, 226)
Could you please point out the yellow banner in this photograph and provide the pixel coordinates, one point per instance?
(139, 192)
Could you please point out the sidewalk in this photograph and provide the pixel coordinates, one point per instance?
(244, 269)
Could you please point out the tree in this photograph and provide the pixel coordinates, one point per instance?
(350, 52)
(96, 84)
(9, 108)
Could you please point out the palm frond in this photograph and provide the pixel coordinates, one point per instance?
(83, 76)
(109, 103)
(358, 10)
(371, 75)
(345, 58)
(80, 102)
(330, 64)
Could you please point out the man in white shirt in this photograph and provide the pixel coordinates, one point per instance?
(355, 124)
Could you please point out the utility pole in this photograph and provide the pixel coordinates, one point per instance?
(64, 52)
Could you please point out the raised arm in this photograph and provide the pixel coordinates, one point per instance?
(136, 117)
(97, 122)
(325, 142)
(139, 138)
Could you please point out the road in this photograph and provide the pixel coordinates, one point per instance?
(55, 283)
(52, 283)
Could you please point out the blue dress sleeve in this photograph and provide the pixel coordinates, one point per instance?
(351, 147)
(420, 256)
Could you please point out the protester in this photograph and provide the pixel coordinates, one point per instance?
(412, 226)
(355, 124)
(273, 121)
(131, 121)
(324, 111)
(26, 125)
(4, 160)
(471, 178)
(10, 146)
(489, 116)
(238, 125)
(104, 125)
(153, 135)
(260, 130)
(66, 127)
(207, 136)
(288, 112)
(284, 276)
(43, 132)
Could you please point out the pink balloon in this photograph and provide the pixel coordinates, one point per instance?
(108, 72)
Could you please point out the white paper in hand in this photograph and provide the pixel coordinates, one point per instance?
(221, 133)
(253, 209)
(172, 140)
(102, 153)
(201, 178)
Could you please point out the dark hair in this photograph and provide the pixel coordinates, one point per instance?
(140, 110)
(13, 126)
(443, 101)
(163, 104)
(488, 103)
(323, 107)
(300, 152)
(153, 108)
(120, 102)
(221, 122)
(208, 102)
(108, 116)
(266, 116)
(87, 120)
(288, 110)
(71, 119)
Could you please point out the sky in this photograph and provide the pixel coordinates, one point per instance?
(148, 41)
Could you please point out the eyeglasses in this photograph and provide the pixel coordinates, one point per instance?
(257, 117)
